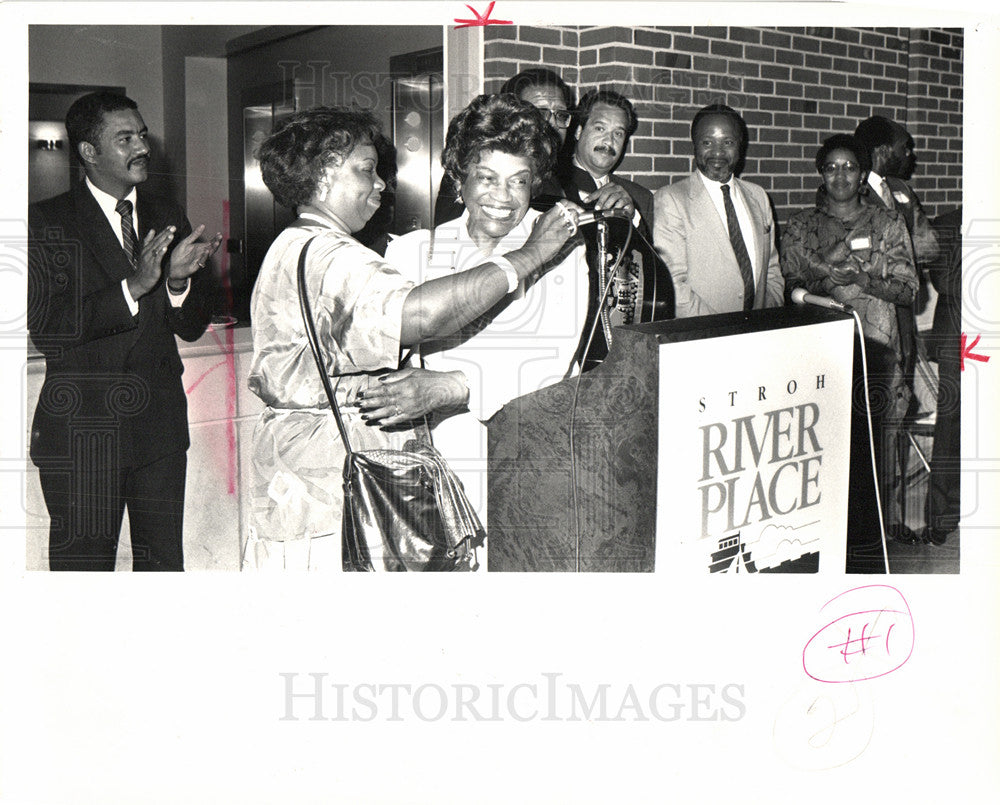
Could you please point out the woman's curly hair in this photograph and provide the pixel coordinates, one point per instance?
(294, 155)
(501, 123)
(846, 142)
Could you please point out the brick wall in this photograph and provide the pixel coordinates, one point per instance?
(794, 87)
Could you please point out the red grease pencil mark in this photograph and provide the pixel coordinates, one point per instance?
(483, 20)
(968, 353)
(850, 648)
(207, 372)
(229, 361)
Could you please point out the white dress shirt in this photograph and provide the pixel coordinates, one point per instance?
(742, 214)
(107, 203)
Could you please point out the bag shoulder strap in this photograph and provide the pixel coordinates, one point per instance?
(307, 319)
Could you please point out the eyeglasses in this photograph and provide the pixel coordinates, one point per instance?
(830, 168)
(559, 118)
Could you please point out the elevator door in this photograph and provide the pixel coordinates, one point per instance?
(418, 135)
(263, 218)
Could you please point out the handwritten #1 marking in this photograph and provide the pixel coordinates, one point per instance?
(483, 20)
(968, 353)
(863, 642)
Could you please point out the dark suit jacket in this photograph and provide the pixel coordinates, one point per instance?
(112, 381)
(576, 181)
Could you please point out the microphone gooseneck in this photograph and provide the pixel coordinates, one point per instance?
(802, 297)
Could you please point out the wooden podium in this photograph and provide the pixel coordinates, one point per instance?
(590, 502)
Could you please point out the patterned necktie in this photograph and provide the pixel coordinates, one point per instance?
(739, 249)
(129, 242)
(886, 195)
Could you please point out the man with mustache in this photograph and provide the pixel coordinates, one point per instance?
(113, 274)
(716, 232)
(605, 123)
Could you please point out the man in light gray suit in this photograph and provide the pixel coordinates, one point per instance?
(716, 232)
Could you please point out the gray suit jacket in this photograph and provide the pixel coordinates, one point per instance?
(692, 240)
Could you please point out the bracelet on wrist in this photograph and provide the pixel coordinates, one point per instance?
(507, 267)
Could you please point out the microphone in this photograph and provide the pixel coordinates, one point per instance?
(801, 297)
(593, 216)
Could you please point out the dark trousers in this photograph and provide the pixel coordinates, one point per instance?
(864, 538)
(944, 492)
(86, 506)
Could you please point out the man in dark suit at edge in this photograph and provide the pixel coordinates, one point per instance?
(110, 427)
(891, 149)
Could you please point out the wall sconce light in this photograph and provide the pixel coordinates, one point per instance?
(49, 145)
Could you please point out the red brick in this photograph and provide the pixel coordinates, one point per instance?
(759, 54)
(537, 36)
(744, 68)
(792, 58)
(652, 39)
(847, 34)
(758, 87)
(705, 64)
(775, 71)
(807, 44)
(773, 136)
(805, 76)
(732, 50)
(831, 48)
(774, 104)
(665, 58)
(637, 163)
(790, 89)
(818, 122)
(671, 94)
(627, 55)
(690, 44)
(776, 39)
(872, 39)
(818, 62)
(671, 164)
(748, 35)
(604, 36)
(505, 32)
(711, 32)
(560, 56)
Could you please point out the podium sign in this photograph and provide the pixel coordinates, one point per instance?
(754, 451)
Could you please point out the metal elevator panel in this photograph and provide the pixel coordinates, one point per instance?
(418, 136)
(263, 218)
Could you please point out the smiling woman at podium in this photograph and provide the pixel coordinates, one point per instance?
(497, 151)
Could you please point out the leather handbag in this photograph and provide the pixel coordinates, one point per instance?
(404, 510)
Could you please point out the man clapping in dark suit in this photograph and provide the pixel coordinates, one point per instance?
(110, 428)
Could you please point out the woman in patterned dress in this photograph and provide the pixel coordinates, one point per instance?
(856, 251)
(322, 162)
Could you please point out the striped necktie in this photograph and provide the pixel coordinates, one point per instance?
(886, 195)
(739, 249)
(129, 242)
